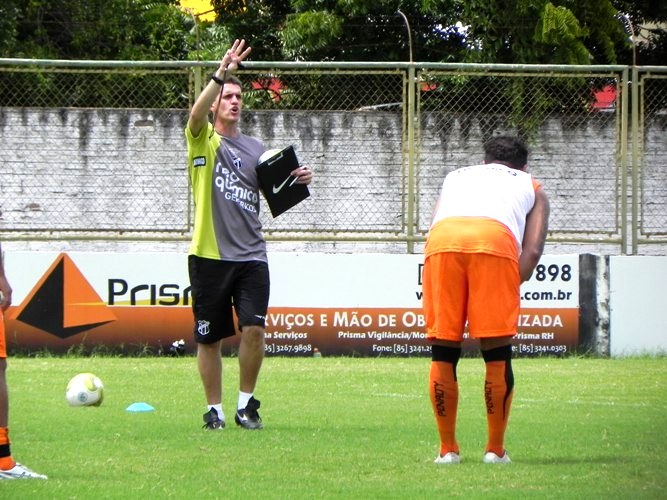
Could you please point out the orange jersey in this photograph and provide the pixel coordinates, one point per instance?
(471, 271)
(472, 235)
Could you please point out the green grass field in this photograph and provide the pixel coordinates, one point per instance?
(339, 428)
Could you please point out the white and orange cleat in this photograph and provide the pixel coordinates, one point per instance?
(492, 458)
(448, 458)
(20, 472)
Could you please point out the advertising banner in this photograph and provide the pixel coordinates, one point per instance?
(334, 304)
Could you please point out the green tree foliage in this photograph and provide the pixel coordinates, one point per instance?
(340, 30)
(94, 29)
(258, 21)
(9, 13)
(309, 31)
(496, 31)
(489, 31)
(560, 35)
(524, 31)
(647, 20)
(208, 40)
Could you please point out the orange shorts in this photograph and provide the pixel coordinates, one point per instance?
(480, 288)
(3, 340)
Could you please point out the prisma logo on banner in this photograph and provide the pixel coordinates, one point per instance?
(93, 299)
(340, 304)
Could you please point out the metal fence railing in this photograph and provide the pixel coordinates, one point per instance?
(575, 146)
(649, 193)
(95, 149)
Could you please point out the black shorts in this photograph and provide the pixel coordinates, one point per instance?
(220, 288)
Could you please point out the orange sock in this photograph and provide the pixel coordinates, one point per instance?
(444, 393)
(498, 392)
(6, 460)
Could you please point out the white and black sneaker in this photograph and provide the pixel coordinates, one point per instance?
(248, 418)
(212, 421)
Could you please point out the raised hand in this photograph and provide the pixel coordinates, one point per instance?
(231, 61)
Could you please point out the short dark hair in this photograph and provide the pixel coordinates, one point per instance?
(506, 149)
(234, 80)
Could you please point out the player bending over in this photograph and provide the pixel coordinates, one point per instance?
(486, 238)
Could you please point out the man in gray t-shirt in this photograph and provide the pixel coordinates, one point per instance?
(227, 262)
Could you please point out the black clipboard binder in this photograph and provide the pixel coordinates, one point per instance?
(277, 184)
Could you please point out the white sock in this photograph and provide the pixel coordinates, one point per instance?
(218, 408)
(244, 397)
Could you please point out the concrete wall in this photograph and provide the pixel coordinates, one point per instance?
(123, 171)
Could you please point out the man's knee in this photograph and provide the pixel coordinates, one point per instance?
(253, 333)
(214, 348)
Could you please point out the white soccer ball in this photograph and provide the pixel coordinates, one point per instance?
(269, 153)
(85, 389)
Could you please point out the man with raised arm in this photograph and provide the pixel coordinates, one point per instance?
(227, 262)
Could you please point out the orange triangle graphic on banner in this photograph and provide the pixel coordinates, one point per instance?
(81, 303)
(63, 303)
